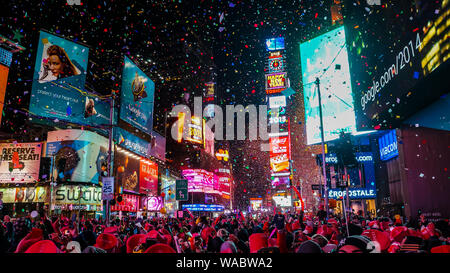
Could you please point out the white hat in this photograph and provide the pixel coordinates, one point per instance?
(73, 247)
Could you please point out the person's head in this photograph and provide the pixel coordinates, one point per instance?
(309, 247)
(355, 244)
(320, 239)
(223, 233)
(59, 63)
(228, 247)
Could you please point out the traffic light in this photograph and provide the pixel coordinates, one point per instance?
(345, 151)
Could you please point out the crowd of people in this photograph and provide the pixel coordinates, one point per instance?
(229, 233)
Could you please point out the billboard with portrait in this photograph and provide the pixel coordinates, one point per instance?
(325, 57)
(137, 97)
(77, 155)
(58, 83)
(19, 162)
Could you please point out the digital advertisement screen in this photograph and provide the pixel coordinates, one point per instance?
(131, 142)
(19, 162)
(256, 203)
(137, 97)
(405, 71)
(276, 64)
(279, 154)
(24, 195)
(325, 57)
(276, 80)
(148, 177)
(82, 155)
(275, 44)
(127, 167)
(199, 180)
(58, 83)
(195, 130)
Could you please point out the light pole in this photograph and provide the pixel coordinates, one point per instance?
(323, 150)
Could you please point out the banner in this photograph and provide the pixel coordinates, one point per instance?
(58, 83)
(137, 97)
(85, 155)
(158, 146)
(19, 162)
(24, 195)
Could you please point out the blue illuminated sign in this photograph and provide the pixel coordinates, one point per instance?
(275, 44)
(131, 142)
(360, 157)
(388, 145)
(365, 189)
(352, 193)
(203, 207)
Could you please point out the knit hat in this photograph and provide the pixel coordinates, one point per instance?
(381, 237)
(44, 246)
(33, 237)
(160, 248)
(257, 241)
(358, 241)
(228, 247)
(309, 247)
(106, 241)
(134, 241)
(320, 239)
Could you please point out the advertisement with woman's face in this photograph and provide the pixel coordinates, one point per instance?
(58, 83)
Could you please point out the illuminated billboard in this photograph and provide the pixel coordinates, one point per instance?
(195, 130)
(78, 155)
(137, 97)
(256, 203)
(59, 76)
(275, 44)
(19, 162)
(325, 57)
(199, 180)
(276, 65)
(279, 154)
(275, 82)
(405, 71)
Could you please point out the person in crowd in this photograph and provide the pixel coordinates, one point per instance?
(228, 233)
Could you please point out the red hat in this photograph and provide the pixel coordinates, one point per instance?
(134, 241)
(160, 248)
(441, 249)
(399, 233)
(154, 234)
(44, 246)
(257, 241)
(332, 221)
(33, 237)
(373, 224)
(206, 232)
(110, 230)
(296, 225)
(414, 233)
(106, 241)
(382, 238)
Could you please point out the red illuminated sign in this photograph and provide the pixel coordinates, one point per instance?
(148, 177)
(279, 154)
